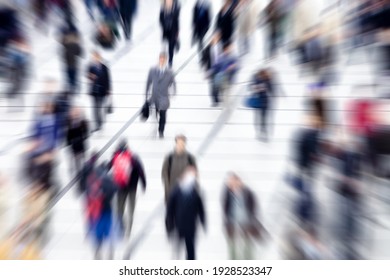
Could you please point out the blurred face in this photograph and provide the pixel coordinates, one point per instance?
(168, 3)
(75, 113)
(163, 61)
(47, 108)
(180, 145)
(50, 86)
(234, 183)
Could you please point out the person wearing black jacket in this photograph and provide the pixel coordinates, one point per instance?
(9, 26)
(71, 52)
(240, 216)
(77, 135)
(226, 22)
(201, 21)
(307, 153)
(169, 21)
(100, 87)
(127, 10)
(184, 209)
(129, 192)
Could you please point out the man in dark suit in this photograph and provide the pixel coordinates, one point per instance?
(127, 9)
(161, 78)
(170, 25)
(201, 21)
(100, 86)
(185, 208)
(226, 22)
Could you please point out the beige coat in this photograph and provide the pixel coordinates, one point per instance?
(306, 14)
(247, 17)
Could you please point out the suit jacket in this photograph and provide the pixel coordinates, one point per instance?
(127, 8)
(201, 20)
(160, 83)
(169, 22)
(101, 86)
(184, 211)
(226, 25)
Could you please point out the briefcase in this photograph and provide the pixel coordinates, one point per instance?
(145, 111)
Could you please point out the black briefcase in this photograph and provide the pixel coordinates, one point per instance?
(145, 111)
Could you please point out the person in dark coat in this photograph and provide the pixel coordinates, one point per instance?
(129, 192)
(100, 87)
(61, 110)
(9, 26)
(185, 208)
(77, 135)
(226, 22)
(307, 154)
(127, 9)
(201, 21)
(71, 53)
(161, 79)
(240, 217)
(169, 22)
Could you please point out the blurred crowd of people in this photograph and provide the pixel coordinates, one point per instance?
(318, 36)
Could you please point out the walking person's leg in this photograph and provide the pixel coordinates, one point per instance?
(96, 112)
(264, 122)
(190, 246)
(214, 91)
(162, 122)
(131, 206)
(99, 108)
(171, 50)
(121, 201)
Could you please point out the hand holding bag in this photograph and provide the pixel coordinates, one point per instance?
(145, 111)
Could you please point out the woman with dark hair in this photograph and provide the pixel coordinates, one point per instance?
(169, 21)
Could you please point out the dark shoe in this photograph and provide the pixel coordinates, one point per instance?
(161, 135)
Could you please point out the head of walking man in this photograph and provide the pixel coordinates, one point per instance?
(181, 142)
(163, 60)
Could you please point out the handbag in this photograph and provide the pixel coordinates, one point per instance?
(145, 111)
(253, 102)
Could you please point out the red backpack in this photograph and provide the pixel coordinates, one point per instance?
(122, 168)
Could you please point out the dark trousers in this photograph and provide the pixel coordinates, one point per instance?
(72, 79)
(214, 91)
(98, 111)
(189, 240)
(127, 24)
(162, 119)
(172, 42)
(263, 120)
(123, 196)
